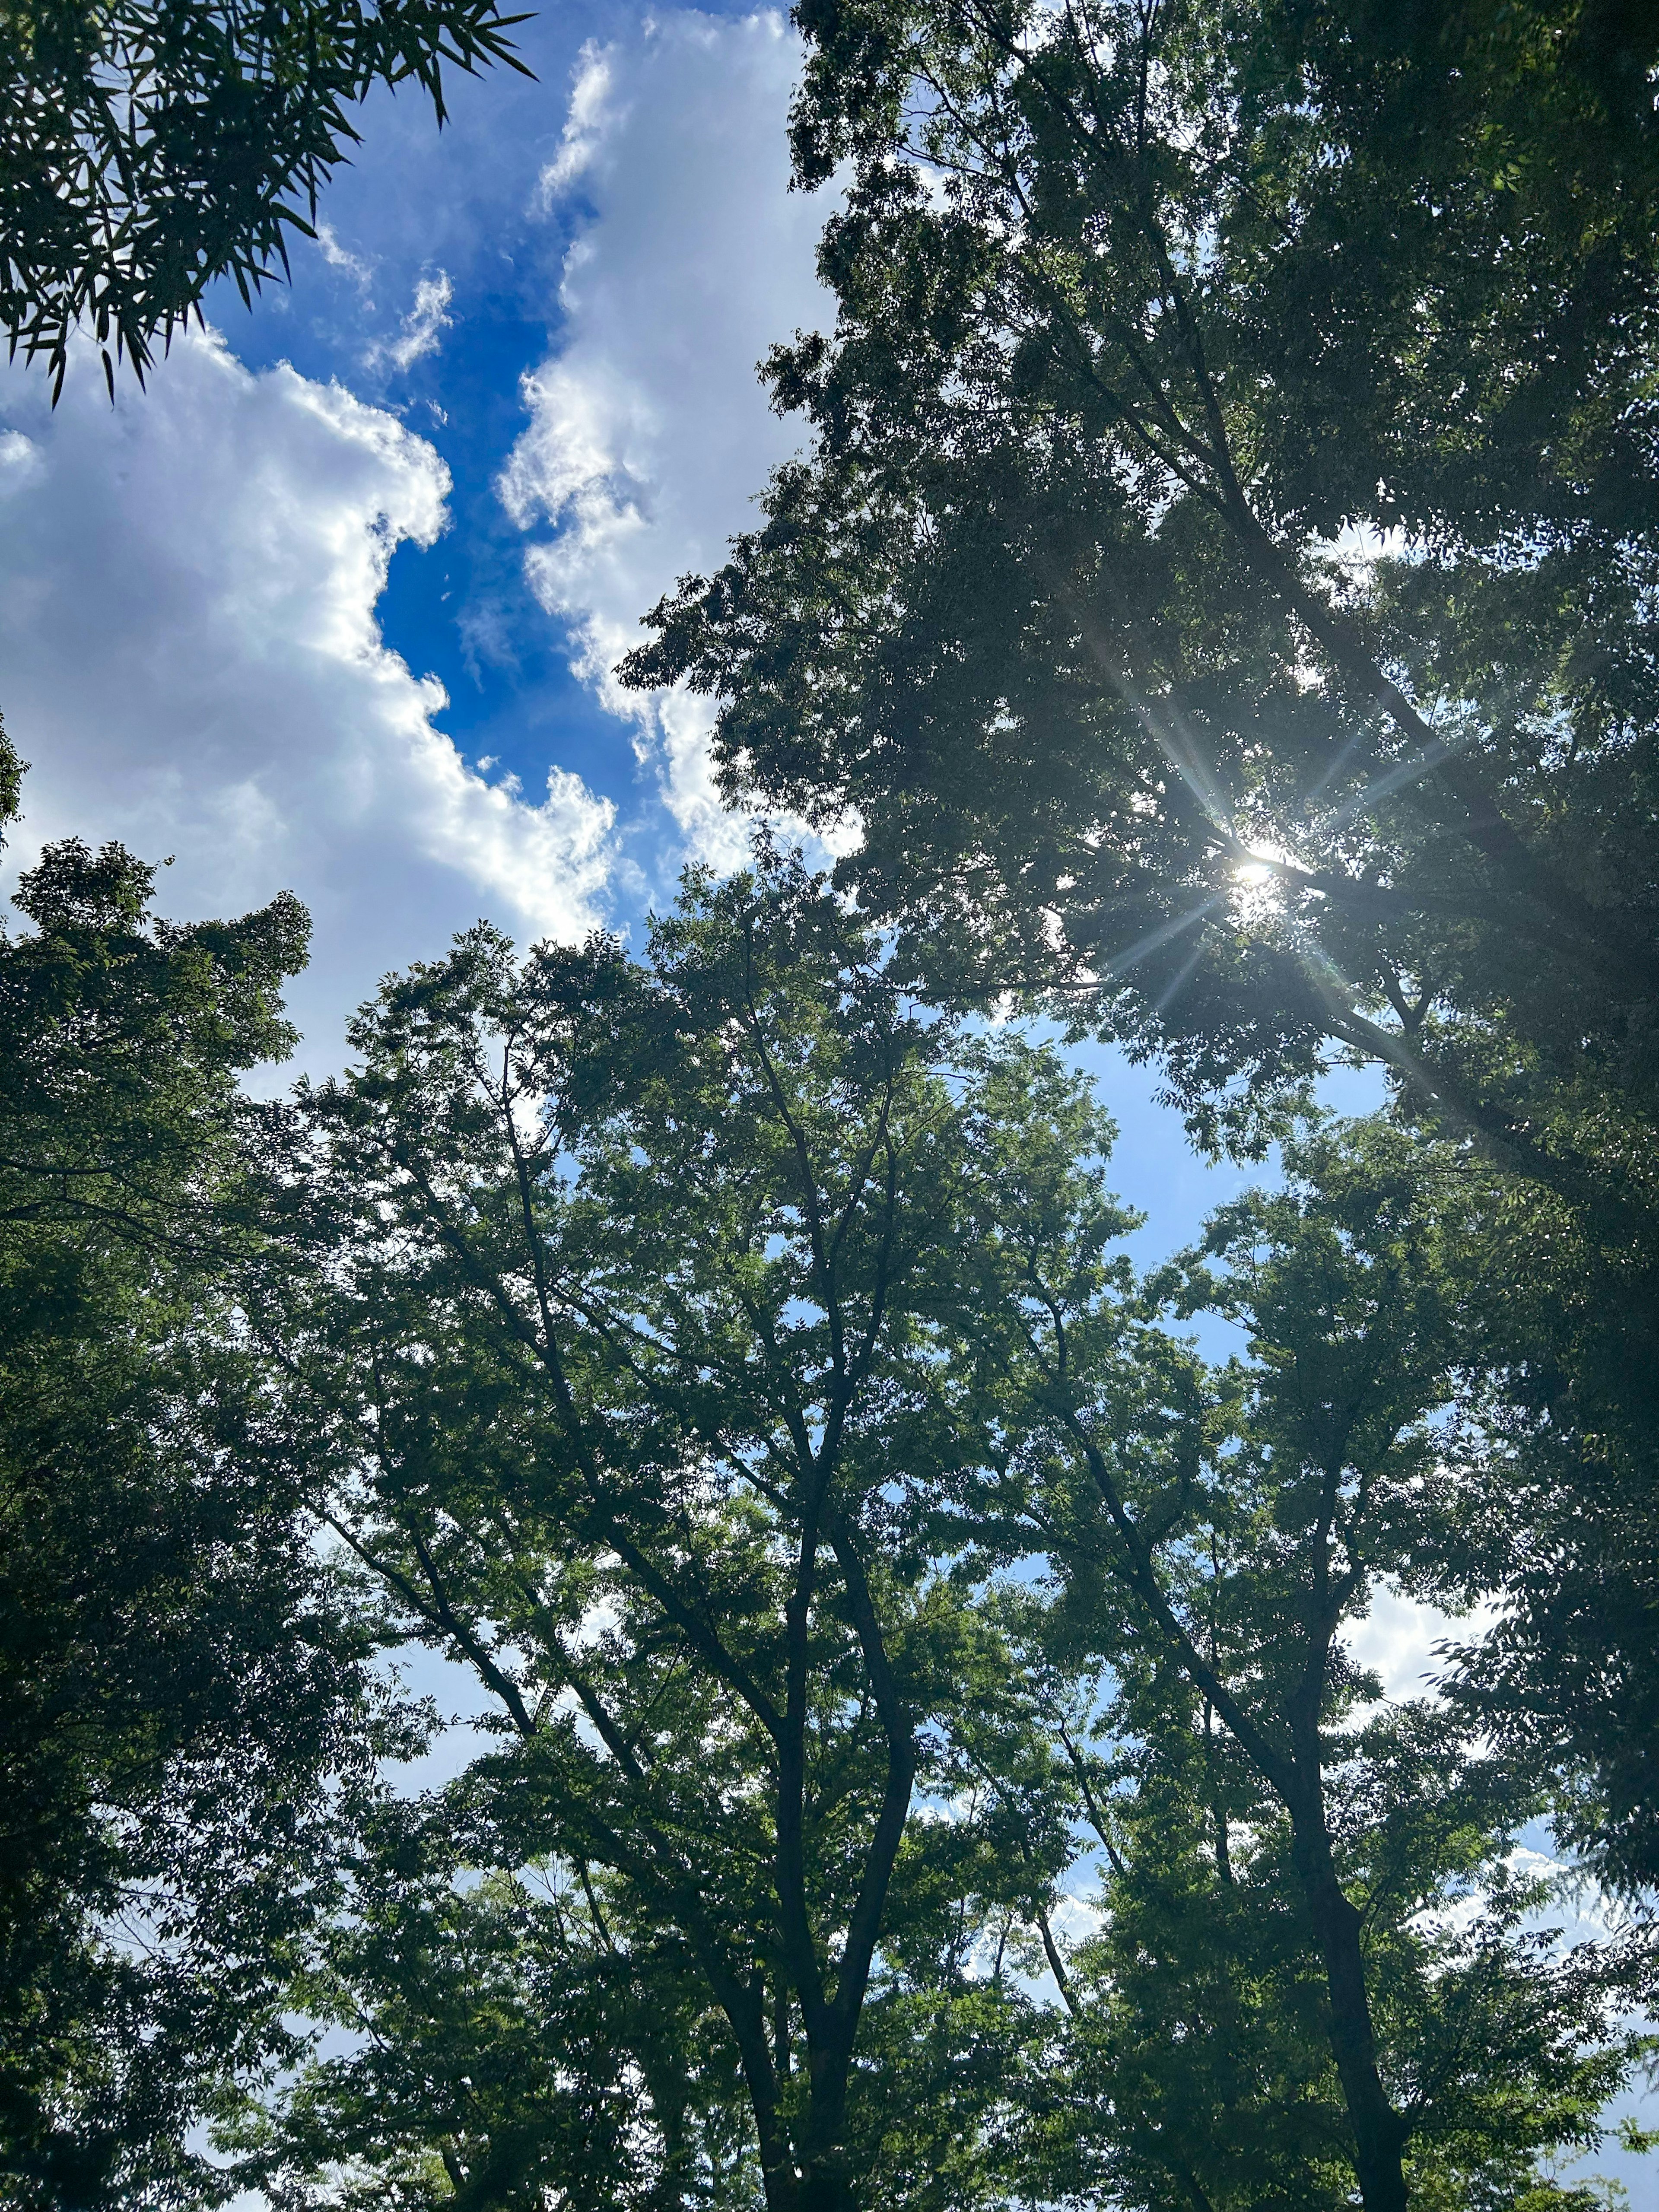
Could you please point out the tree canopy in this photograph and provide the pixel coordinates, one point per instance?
(725, 1360)
(181, 1688)
(920, 1758)
(1219, 583)
(641, 1364)
(923, 1763)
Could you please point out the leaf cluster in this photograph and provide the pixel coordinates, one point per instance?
(156, 146)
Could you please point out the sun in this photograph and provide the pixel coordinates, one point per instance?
(1258, 882)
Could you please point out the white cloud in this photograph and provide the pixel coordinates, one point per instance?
(189, 647)
(584, 126)
(649, 433)
(1399, 1636)
(421, 330)
(18, 457)
(189, 655)
(341, 258)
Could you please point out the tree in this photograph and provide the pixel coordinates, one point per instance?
(179, 1683)
(1214, 1529)
(1235, 430)
(513, 2042)
(145, 152)
(675, 1325)
(1550, 1477)
(1556, 1484)
(539, 2033)
(1195, 2069)
(1221, 584)
(635, 1368)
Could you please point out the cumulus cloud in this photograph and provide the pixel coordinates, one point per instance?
(189, 647)
(189, 655)
(649, 434)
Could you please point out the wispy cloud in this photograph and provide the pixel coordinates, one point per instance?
(337, 257)
(421, 330)
(590, 121)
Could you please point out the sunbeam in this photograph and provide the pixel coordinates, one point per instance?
(1139, 951)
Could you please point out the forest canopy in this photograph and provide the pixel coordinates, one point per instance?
(920, 1752)
(924, 1759)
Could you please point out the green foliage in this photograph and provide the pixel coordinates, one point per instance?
(639, 1362)
(1546, 1481)
(1237, 426)
(508, 2039)
(178, 1682)
(708, 1351)
(1282, 1863)
(1558, 1512)
(1222, 581)
(1197, 2065)
(149, 149)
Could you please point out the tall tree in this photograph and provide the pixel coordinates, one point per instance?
(534, 2033)
(640, 1361)
(146, 152)
(1215, 1530)
(179, 1679)
(511, 2041)
(1221, 581)
(1219, 578)
(1557, 1490)
(1195, 2069)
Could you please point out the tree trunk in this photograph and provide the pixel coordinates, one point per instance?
(1379, 2133)
(826, 2185)
(744, 2007)
(778, 2178)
